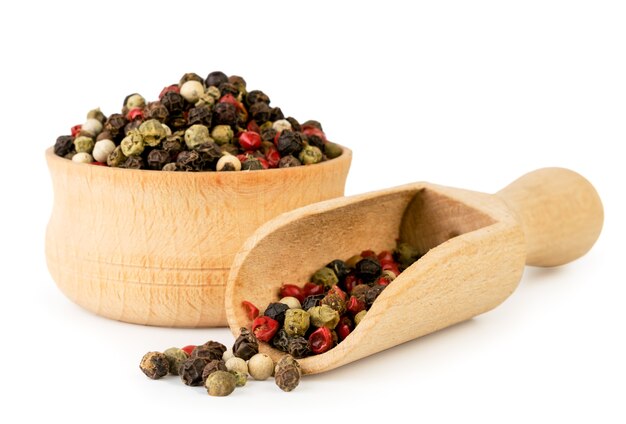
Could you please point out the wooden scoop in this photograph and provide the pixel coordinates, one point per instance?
(475, 247)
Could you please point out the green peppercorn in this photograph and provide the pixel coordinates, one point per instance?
(222, 134)
(154, 365)
(310, 155)
(353, 260)
(175, 357)
(326, 277)
(406, 255)
(287, 373)
(221, 383)
(132, 144)
(97, 114)
(241, 378)
(134, 100)
(213, 92)
(152, 132)
(332, 150)
(116, 157)
(196, 135)
(324, 316)
(359, 317)
(296, 322)
(83, 144)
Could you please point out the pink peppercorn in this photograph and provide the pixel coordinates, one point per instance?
(250, 140)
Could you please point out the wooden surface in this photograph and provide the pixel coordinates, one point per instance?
(477, 247)
(153, 247)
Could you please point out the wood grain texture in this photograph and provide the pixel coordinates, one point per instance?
(155, 248)
(476, 251)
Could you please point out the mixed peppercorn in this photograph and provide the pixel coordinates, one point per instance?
(312, 319)
(199, 124)
(220, 370)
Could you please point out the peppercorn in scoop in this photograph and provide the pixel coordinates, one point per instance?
(312, 319)
(199, 124)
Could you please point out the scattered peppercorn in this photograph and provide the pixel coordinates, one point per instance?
(175, 357)
(246, 345)
(287, 373)
(260, 366)
(221, 383)
(212, 366)
(154, 365)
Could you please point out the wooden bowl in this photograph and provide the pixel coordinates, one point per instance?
(154, 247)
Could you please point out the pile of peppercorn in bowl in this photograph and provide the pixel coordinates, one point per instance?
(152, 202)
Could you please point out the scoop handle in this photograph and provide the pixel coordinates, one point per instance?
(560, 212)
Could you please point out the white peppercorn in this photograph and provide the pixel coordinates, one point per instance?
(237, 364)
(292, 302)
(102, 149)
(191, 91)
(227, 355)
(260, 366)
(82, 157)
(92, 126)
(228, 163)
(281, 125)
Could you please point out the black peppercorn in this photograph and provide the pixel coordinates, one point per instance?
(200, 115)
(177, 121)
(225, 114)
(268, 134)
(64, 145)
(211, 367)
(311, 301)
(190, 76)
(154, 365)
(155, 110)
(206, 352)
(173, 145)
(316, 141)
(276, 114)
(359, 291)
(174, 102)
(276, 311)
(133, 162)
(298, 347)
(340, 268)
(281, 340)
(260, 112)
(246, 345)
(257, 96)
(289, 143)
(228, 88)
(251, 164)
(368, 269)
(295, 125)
(132, 125)
(209, 154)
(191, 371)
(189, 160)
(215, 79)
(289, 162)
(114, 124)
(372, 294)
(157, 159)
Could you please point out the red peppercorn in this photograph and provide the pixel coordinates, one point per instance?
(264, 328)
(135, 113)
(253, 126)
(393, 267)
(344, 328)
(242, 157)
(273, 157)
(382, 281)
(293, 291)
(354, 305)
(311, 289)
(306, 130)
(188, 349)
(350, 281)
(250, 140)
(263, 163)
(368, 254)
(336, 290)
(76, 129)
(98, 163)
(251, 311)
(385, 256)
(173, 87)
(320, 340)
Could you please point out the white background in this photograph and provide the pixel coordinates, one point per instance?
(467, 94)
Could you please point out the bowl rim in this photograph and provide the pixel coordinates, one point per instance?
(344, 158)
